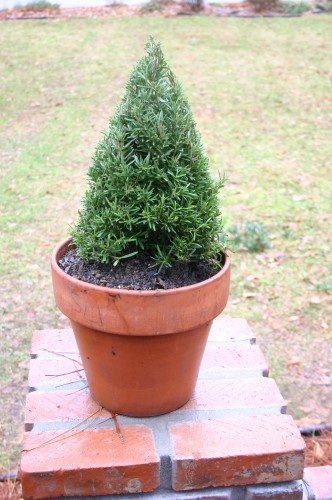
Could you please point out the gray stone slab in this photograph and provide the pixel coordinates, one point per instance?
(291, 490)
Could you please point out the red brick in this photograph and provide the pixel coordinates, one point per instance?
(89, 463)
(55, 371)
(219, 361)
(233, 360)
(320, 481)
(226, 329)
(229, 394)
(60, 406)
(236, 451)
(261, 393)
(53, 341)
(218, 452)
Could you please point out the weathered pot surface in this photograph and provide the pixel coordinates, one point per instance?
(141, 350)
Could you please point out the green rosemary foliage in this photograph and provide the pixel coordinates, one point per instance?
(150, 191)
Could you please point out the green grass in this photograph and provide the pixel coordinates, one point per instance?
(261, 94)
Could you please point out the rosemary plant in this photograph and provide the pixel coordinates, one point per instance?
(150, 190)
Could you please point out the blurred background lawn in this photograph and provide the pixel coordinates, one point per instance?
(261, 93)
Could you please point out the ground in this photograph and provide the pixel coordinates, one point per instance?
(169, 8)
(319, 449)
(261, 93)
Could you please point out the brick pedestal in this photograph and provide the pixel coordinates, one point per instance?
(231, 441)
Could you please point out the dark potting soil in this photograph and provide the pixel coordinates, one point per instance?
(136, 273)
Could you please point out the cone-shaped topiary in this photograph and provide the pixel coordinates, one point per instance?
(150, 190)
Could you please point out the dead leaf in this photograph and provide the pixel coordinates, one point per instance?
(274, 264)
(31, 315)
(277, 255)
(8, 317)
(293, 361)
(277, 325)
(6, 390)
(319, 452)
(315, 300)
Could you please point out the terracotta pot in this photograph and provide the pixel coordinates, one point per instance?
(141, 350)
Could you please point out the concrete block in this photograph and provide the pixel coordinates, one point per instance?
(282, 491)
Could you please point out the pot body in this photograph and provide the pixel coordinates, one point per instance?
(141, 350)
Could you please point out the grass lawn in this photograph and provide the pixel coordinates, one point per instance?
(262, 96)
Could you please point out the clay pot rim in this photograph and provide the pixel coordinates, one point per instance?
(123, 291)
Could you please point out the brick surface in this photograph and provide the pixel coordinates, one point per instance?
(53, 341)
(236, 451)
(229, 361)
(224, 329)
(319, 480)
(227, 329)
(56, 406)
(242, 394)
(219, 361)
(229, 435)
(56, 371)
(89, 462)
(282, 491)
(227, 396)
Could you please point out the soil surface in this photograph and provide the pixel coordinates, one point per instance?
(136, 273)
(319, 449)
